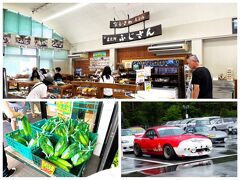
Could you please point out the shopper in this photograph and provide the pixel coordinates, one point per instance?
(12, 110)
(39, 90)
(106, 77)
(201, 79)
(58, 76)
(35, 76)
(10, 113)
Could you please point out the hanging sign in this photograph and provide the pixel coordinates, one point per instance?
(57, 43)
(129, 22)
(133, 36)
(23, 40)
(41, 42)
(6, 39)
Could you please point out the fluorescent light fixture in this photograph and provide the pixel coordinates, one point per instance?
(61, 13)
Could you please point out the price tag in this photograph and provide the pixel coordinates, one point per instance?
(47, 167)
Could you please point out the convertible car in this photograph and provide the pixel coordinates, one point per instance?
(170, 142)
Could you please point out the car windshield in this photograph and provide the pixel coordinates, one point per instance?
(201, 128)
(212, 121)
(127, 133)
(184, 121)
(137, 130)
(170, 132)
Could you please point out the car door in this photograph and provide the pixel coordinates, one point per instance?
(150, 141)
(218, 124)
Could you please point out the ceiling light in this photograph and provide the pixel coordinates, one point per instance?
(61, 13)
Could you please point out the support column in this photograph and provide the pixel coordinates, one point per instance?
(113, 58)
(197, 49)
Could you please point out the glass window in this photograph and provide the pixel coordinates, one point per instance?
(60, 55)
(47, 32)
(25, 25)
(11, 50)
(18, 65)
(170, 132)
(10, 24)
(57, 36)
(46, 53)
(46, 63)
(28, 51)
(36, 29)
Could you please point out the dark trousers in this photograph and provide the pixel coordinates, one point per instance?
(5, 164)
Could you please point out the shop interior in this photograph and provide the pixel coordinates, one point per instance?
(77, 38)
(102, 123)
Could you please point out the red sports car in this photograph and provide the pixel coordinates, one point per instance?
(171, 141)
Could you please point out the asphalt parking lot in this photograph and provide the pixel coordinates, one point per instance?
(222, 162)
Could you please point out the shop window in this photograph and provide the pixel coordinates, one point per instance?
(25, 25)
(46, 53)
(10, 24)
(11, 50)
(17, 65)
(60, 55)
(46, 63)
(29, 52)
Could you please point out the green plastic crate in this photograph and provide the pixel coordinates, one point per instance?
(37, 125)
(20, 148)
(76, 171)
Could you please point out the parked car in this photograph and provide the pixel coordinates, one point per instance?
(222, 123)
(173, 123)
(184, 123)
(170, 142)
(215, 136)
(127, 140)
(232, 128)
(137, 130)
(203, 120)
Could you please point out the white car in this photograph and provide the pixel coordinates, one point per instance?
(127, 140)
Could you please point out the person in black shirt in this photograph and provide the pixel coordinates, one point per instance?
(201, 79)
(58, 76)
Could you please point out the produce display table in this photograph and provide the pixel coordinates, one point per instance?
(11, 152)
(100, 87)
(62, 88)
(21, 83)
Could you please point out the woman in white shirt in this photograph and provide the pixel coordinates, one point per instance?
(106, 77)
(39, 90)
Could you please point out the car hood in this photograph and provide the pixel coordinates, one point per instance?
(128, 138)
(185, 137)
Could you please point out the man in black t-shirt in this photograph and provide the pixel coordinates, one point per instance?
(201, 79)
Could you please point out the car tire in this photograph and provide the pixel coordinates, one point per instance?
(137, 150)
(214, 128)
(169, 152)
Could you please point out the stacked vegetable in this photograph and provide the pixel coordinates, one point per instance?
(64, 143)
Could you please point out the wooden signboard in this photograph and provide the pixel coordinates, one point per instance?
(128, 22)
(132, 36)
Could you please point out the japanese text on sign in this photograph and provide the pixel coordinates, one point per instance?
(47, 167)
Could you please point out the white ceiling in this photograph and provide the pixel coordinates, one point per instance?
(92, 21)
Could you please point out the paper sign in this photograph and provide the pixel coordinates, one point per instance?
(64, 109)
(147, 85)
(47, 167)
(147, 71)
(140, 75)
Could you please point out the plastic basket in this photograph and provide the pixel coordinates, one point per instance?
(20, 148)
(76, 171)
(37, 125)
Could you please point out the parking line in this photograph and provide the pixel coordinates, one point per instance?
(158, 162)
(142, 169)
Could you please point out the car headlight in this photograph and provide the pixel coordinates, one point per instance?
(211, 135)
(125, 141)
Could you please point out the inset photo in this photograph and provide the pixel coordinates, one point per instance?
(60, 139)
(179, 139)
(143, 51)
